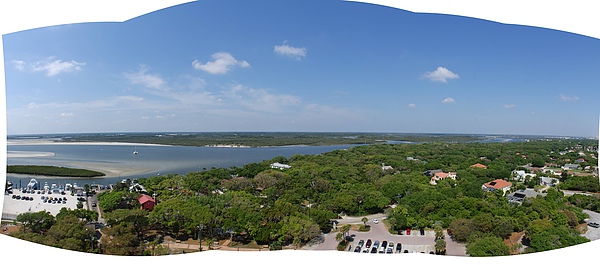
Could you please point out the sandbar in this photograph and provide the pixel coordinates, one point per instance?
(109, 169)
(23, 154)
(57, 142)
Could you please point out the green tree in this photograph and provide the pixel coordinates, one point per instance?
(37, 222)
(487, 247)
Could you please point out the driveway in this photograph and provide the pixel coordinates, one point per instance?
(413, 243)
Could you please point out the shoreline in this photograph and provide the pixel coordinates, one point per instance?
(50, 142)
(110, 170)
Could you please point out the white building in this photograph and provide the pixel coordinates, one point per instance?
(520, 175)
(280, 166)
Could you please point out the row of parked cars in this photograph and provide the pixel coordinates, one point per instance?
(23, 198)
(54, 200)
(371, 246)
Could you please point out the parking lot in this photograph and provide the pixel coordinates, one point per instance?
(413, 243)
(592, 232)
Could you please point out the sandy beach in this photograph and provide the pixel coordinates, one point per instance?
(58, 142)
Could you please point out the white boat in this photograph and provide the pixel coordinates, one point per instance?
(135, 152)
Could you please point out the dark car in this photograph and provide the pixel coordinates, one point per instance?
(374, 250)
(368, 244)
(93, 204)
(384, 243)
(361, 243)
(357, 249)
(594, 225)
(398, 247)
(422, 231)
(390, 251)
(376, 244)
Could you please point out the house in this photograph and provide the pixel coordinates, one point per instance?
(498, 184)
(519, 196)
(570, 167)
(430, 173)
(547, 181)
(280, 166)
(579, 161)
(147, 202)
(520, 175)
(441, 175)
(384, 167)
(478, 166)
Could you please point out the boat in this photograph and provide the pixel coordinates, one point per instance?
(135, 152)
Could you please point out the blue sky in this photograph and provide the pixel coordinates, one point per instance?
(301, 66)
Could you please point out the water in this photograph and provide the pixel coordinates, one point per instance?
(158, 159)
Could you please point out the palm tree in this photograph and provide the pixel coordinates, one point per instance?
(439, 232)
(364, 220)
(345, 229)
(440, 247)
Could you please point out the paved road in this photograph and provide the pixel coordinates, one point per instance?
(592, 233)
(414, 243)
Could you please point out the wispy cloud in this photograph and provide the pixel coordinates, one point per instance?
(142, 78)
(290, 51)
(441, 74)
(568, 98)
(448, 100)
(258, 99)
(19, 65)
(510, 106)
(412, 105)
(54, 66)
(223, 63)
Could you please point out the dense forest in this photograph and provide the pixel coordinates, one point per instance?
(279, 207)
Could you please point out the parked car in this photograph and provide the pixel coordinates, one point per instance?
(361, 243)
(384, 243)
(368, 244)
(594, 224)
(376, 244)
(390, 250)
(373, 250)
(398, 247)
(357, 249)
(381, 250)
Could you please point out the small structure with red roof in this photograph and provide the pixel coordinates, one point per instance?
(479, 166)
(498, 184)
(147, 202)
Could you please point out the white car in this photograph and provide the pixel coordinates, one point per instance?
(375, 221)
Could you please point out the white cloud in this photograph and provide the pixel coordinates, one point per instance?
(222, 64)
(259, 99)
(441, 74)
(509, 106)
(54, 67)
(568, 98)
(148, 80)
(448, 100)
(20, 65)
(286, 50)
(412, 105)
(67, 114)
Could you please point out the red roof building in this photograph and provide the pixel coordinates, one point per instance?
(498, 184)
(147, 202)
(479, 166)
